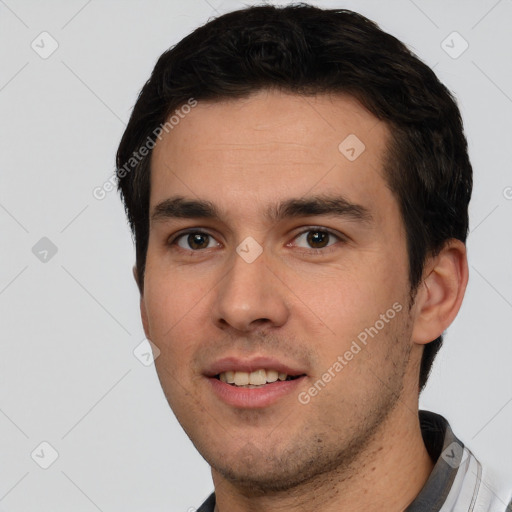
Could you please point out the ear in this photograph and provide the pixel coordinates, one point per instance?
(440, 294)
(143, 313)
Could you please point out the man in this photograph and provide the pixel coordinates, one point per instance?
(298, 184)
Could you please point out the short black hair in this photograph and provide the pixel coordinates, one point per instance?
(308, 51)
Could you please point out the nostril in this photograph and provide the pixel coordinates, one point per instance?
(261, 321)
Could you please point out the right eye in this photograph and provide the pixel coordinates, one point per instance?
(195, 241)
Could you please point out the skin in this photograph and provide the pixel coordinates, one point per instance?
(357, 444)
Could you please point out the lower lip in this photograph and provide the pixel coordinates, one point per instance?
(254, 398)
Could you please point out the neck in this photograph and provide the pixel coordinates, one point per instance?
(388, 474)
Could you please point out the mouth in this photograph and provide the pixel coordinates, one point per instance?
(256, 379)
(253, 384)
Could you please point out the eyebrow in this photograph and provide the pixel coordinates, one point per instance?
(338, 206)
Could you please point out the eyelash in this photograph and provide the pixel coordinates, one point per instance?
(315, 251)
(324, 250)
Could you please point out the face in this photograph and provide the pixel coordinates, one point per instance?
(272, 247)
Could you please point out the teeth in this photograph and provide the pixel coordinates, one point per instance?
(241, 378)
(253, 379)
(272, 375)
(258, 378)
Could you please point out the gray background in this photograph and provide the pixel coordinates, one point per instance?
(70, 320)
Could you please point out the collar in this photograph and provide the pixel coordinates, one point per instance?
(438, 437)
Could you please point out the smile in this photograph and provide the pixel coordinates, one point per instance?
(256, 379)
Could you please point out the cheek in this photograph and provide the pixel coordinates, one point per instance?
(174, 327)
(353, 296)
(172, 297)
(360, 313)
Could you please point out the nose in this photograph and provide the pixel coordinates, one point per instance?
(250, 296)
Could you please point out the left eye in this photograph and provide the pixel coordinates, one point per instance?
(316, 238)
(196, 240)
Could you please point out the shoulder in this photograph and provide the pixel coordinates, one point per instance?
(477, 489)
(208, 505)
(458, 482)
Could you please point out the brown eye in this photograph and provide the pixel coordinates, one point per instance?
(198, 241)
(318, 239)
(195, 241)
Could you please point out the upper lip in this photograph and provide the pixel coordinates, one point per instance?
(252, 364)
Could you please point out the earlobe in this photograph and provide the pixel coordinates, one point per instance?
(440, 295)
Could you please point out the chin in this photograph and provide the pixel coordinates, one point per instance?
(262, 481)
(258, 473)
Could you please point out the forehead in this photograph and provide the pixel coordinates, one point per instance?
(269, 147)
